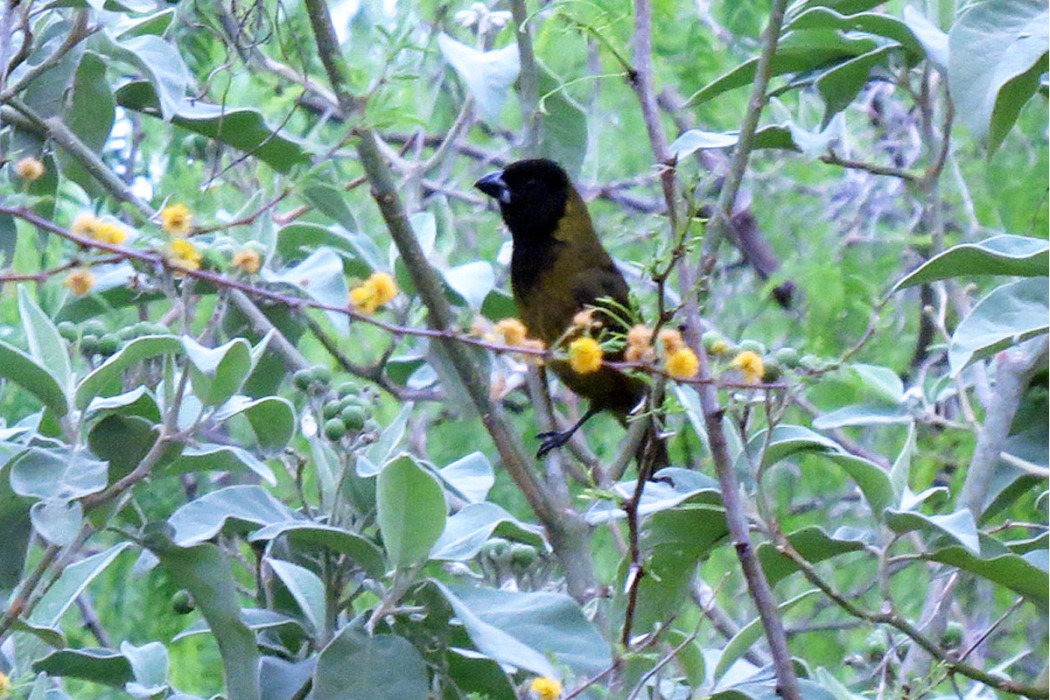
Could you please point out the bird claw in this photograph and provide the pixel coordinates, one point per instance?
(551, 440)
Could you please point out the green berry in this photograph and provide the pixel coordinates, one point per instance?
(522, 555)
(331, 409)
(772, 370)
(788, 357)
(953, 635)
(754, 346)
(108, 344)
(93, 326)
(495, 548)
(354, 418)
(302, 379)
(346, 389)
(89, 344)
(810, 362)
(321, 375)
(334, 429)
(182, 602)
(68, 330)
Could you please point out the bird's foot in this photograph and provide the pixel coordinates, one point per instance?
(552, 440)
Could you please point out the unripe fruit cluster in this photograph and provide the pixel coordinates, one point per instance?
(95, 339)
(346, 411)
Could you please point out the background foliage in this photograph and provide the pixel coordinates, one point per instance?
(219, 477)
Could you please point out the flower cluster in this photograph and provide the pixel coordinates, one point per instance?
(176, 219)
(379, 289)
(751, 365)
(101, 230)
(546, 688)
(183, 254)
(247, 260)
(585, 355)
(80, 281)
(29, 169)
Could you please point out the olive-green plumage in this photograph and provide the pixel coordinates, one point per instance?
(559, 268)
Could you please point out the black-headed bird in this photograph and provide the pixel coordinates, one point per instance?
(559, 268)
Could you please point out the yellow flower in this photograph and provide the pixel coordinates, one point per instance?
(176, 219)
(80, 281)
(84, 223)
(29, 169)
(682, 364)
(719, 347)
(512, 330)
(546, 688)
(585, 355)
(106, 231)
(363, 299)
(5, 684)
(384, 285)
(377, 290)
(672, 340)
(182, 253)
(247, 260)
(750, 364)
(640, 336)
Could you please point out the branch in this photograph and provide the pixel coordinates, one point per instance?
(528, 80)
(569, 533)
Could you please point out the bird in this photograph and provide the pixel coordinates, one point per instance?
(558, 268)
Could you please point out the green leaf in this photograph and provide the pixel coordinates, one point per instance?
(46, 346)
(675, 486)
(471, 282)
(240, 127)
(563, 126)
(749, 634)
(20, 368)
(205, 517)
(70, 584)
(305, 587)
(1010, 314)
(272, 419)
(998, 50)
(320, 276)
(883, 381)
(110, 371)
(471, 476)
(57, 520)
(864, 414)
(383, 450)
(96, 665)
(321, 189)
(217, 373)
(219, 458)
(1019, 256)
(466, 531)
(840, 85)
(813, 543)
(297, 241)
(410, 510)
(689, 142)
(873, 481)
(787, 440)
(1025, 574)
(89, 114)
(355, 666)
(673, 544)
(303, 533)
(798, 51)
(56, 473)
(934, 41)
(527, 629)
(149, 664)
(205, 572)
(162, 65)
(488, 75)
(876, 24)
(475, 673)
(959, 526)
(8, 239)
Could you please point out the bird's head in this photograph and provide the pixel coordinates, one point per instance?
(532, 196)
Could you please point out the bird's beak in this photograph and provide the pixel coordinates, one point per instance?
(494, 186)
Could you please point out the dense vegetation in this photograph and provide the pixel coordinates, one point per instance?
(267, 431)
